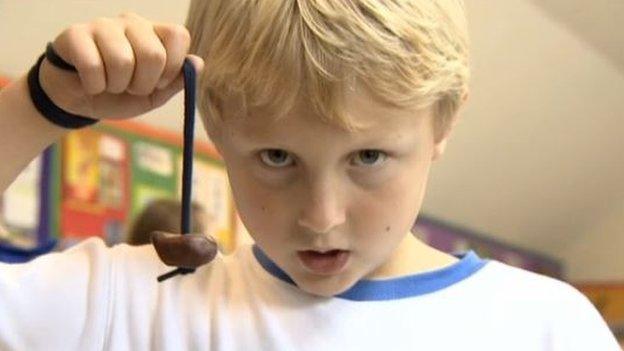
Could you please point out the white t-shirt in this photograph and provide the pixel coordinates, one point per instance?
(96, 298)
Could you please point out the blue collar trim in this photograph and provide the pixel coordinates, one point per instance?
(394, 288)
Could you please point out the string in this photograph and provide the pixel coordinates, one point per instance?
(187, 158)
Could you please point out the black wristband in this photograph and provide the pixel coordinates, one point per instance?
(42, 101)
(56, 60)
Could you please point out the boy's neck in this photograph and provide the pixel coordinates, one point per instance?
(412, 256)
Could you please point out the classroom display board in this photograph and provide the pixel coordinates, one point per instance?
(94, 185)
(96, 180)
(109, 173)
(454, 239)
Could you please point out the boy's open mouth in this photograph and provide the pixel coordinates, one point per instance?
(324, 263)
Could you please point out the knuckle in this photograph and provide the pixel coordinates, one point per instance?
(154, 55)
(74, 31)
(123, 62)
(88, 66)
(177, 34)
(180, 32)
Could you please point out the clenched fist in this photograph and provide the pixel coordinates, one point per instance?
(126, 66)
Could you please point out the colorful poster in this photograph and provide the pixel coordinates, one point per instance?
(81, 166)
(153, 158)
(153, 174)
(94, 184)
(107, 174)
(112, 162)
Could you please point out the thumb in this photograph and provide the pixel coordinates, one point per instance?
(187, 251)
(198, 63)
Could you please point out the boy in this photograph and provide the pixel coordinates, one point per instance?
(328, 115)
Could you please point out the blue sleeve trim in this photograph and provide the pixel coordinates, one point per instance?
(11, 254)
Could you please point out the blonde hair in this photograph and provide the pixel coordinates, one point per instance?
(270, 53)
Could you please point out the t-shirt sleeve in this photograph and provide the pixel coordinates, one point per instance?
(57, 301)
(579, 325)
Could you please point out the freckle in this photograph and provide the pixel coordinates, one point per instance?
(264, 209)
(388, 228)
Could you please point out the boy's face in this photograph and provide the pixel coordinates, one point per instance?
(302, 185)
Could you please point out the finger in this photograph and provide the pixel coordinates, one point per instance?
(76, 46)
(116, 53)
(160, 96)
(150, 56)
(177, 41)
(188, 251)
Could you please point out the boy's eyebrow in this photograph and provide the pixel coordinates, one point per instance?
(362, 141)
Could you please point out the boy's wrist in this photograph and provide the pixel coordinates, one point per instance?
(54, 84)
(44, 104)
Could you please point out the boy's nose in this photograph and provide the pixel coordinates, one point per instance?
(322, 209)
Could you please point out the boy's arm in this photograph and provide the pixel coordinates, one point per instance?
(125, 66)
(23, 131)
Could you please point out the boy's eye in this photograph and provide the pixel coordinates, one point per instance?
(370, 157)
(276, 158)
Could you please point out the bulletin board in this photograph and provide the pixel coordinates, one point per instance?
(109, 173)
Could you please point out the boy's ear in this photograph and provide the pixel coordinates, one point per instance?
(442, 138)
(440, 143)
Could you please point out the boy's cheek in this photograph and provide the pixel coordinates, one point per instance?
(261, 209)
(390, 210)
(374, 224)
